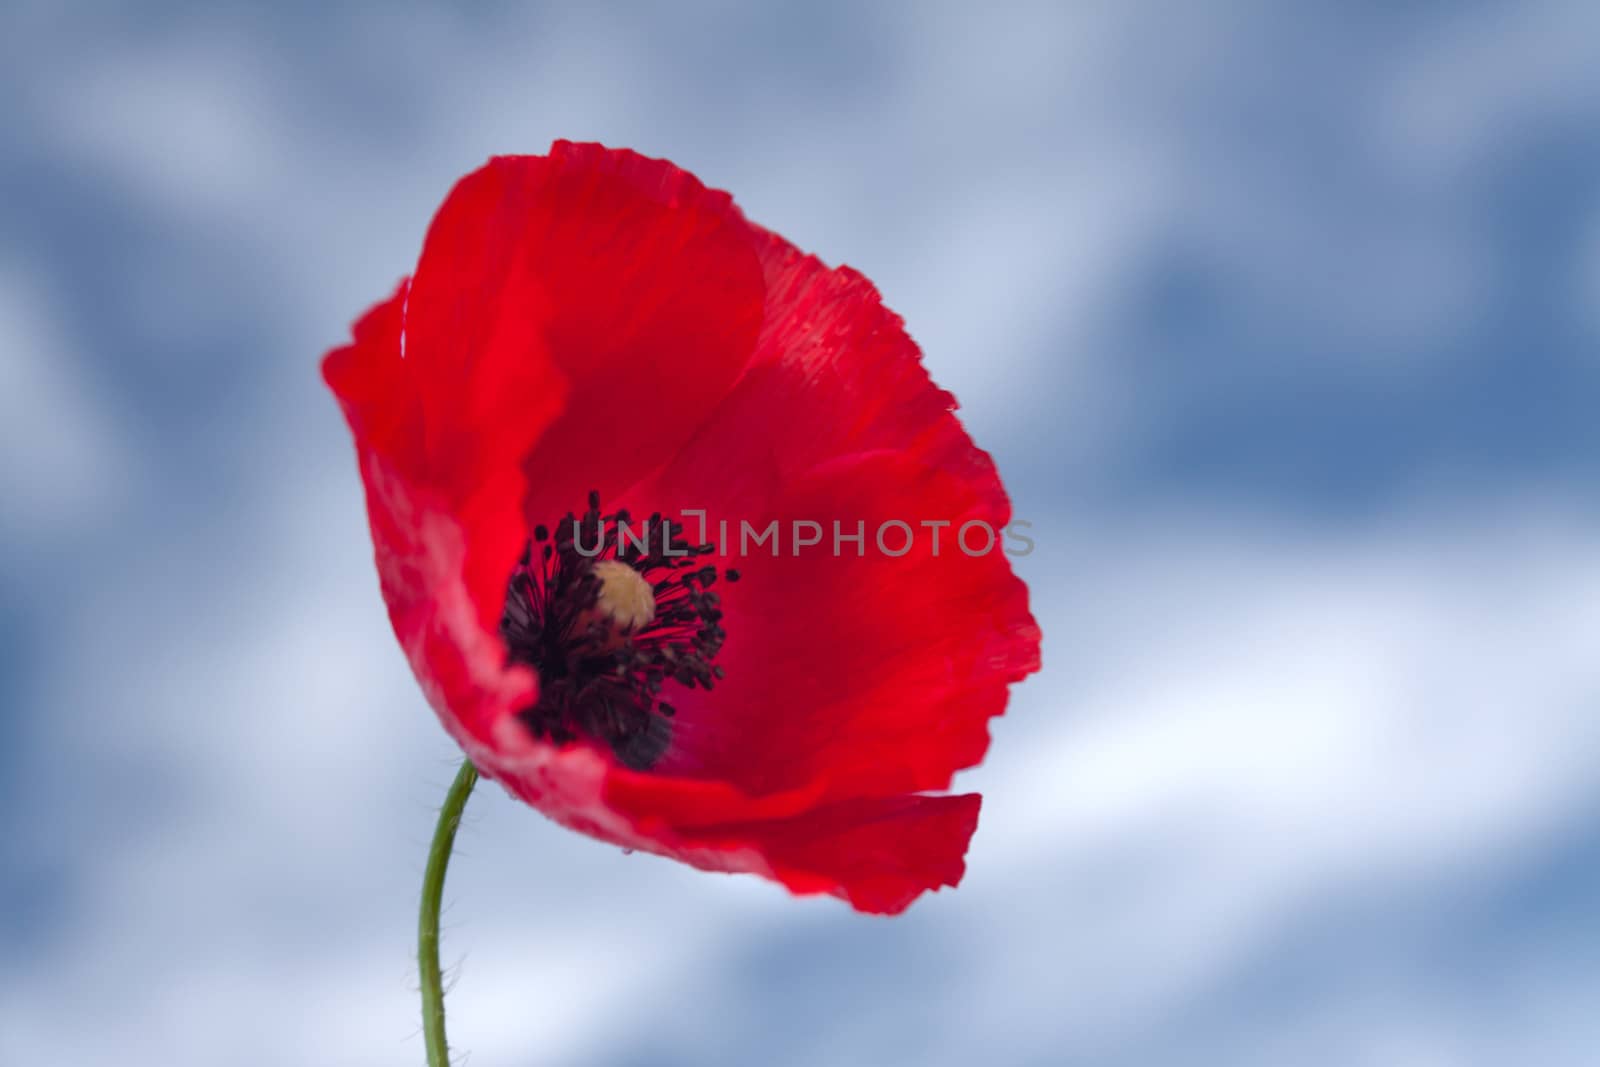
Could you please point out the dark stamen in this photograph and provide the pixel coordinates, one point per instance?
(590, 683)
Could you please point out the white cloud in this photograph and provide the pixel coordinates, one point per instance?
(62, 464)
(1485, 78)
(1288, 719)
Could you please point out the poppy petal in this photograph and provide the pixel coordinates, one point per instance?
(881, 671)
(640, 286)
(879, 854)
(572, 316)
(593, 320)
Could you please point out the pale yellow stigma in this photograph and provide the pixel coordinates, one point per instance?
(625, 599)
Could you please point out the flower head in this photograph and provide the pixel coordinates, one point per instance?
(601, 385)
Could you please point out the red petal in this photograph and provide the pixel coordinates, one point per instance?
(650, 295)
(834, 374)
(879, 854)
(573, 316)
(420, 529)
(879, 674)
(579, 321)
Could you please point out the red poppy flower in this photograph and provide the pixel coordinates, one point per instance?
(593, 339)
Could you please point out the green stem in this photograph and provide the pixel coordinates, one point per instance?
(444, 838)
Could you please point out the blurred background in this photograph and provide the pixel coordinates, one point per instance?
(1282, 321)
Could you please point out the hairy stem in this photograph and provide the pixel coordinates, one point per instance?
(444, 838)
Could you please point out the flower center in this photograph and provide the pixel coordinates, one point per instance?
(611, 614)
(625, 599)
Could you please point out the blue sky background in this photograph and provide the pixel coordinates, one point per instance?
(1283, 322)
